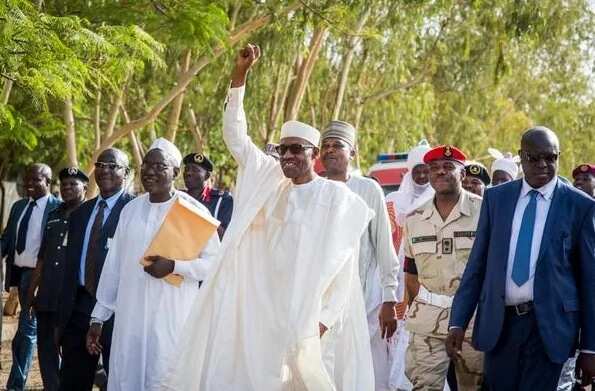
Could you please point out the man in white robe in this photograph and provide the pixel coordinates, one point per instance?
(149, 312)
(286, 290)
(378, 263)
(414, 191)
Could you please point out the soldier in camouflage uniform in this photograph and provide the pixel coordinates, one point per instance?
(438, 238)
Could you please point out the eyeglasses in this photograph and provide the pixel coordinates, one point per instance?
(295, 149)
(547, 157)
(108, 166)
(155, 166)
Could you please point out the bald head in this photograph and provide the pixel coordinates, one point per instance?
(540, 149)
(116, 154)
(111, 170)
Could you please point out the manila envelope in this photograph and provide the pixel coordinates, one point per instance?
(184, 232)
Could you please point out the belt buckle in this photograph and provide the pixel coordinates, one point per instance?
(520, 312)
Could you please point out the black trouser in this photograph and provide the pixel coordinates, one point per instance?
(519, 360)
(47, 352)
(78, 366)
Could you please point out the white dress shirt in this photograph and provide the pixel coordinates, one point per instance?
(521, 294)
(28, 258)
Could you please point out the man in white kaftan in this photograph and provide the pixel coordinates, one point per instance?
(286, 290)
(378, 263)
(415, 190)
(149, 312)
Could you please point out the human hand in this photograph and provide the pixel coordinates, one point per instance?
(93, 335)
(585, 368)
(454, 342)
(387, 317)
(159, 267)
(244, 61)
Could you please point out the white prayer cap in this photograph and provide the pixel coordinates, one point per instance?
(301, 130)
(416, 155)
(504, 162)
(169, 148)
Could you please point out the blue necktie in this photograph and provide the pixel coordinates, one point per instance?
(23, 228)
(522, 255)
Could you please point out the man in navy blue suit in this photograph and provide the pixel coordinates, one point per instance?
(531, 275)
(90, 231)
(20, 244)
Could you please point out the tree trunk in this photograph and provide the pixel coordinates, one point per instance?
(6, 91)
(112, 118)
(299, 87)
(70, 133)
(97, 119)
(352, 45)
(185, 79)
(195, 130)
(176, 107)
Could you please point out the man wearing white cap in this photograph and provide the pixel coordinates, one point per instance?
(283, 310)
(378, 263)
(149, 312)
(504, 169)
(414, 191)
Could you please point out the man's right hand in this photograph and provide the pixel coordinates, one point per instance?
(93, 335)
(454, 342)
(244, 61)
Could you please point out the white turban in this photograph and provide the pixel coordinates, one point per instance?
(301, 130)
(169, 148)
(416, 155)
(508, 164)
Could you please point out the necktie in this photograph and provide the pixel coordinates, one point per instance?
(23, 228)
(93, 250)
(522, 255)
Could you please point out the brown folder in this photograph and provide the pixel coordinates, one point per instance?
(184, 232)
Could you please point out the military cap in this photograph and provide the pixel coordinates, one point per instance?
(72, 172)
(478, 170)
(584, 168)
(200, 160)
(445, 152)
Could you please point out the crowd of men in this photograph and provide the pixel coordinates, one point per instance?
(465, 278)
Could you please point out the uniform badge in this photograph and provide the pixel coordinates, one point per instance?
(447, 246)
(72, 171)
(198, 158)
(421, 239)
(447, 151)
(475, 170)
(584, 168)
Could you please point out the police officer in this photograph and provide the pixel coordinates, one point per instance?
(584, 178)
(438, 237)
(476, 178)
(47, 277)
(197, 171)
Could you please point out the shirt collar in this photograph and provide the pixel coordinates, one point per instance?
(41, 202)
(546, 191)
(110, 201)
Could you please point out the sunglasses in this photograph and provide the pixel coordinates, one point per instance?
(295, 149)
(108, 166)
(547, 157)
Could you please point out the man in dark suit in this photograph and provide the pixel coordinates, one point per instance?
(531, 275)
(90, 231)
(21, 241)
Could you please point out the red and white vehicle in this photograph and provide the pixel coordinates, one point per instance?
(389, 170)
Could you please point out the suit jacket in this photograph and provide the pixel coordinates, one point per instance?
(9, 237)
(76, 236)
(564, 289)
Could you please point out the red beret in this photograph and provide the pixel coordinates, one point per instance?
(586, 168)
(445, 152)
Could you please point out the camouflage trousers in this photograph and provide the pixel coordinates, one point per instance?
(427, 364)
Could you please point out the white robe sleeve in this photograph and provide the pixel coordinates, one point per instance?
(107, 289)
(235, 130)
(334, 300)
(381, 236)
(198, 269)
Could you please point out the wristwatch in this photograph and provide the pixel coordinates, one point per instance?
(95, 321)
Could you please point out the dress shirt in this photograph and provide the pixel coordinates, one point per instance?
(521, 294)
(111, 201)
(28, 258)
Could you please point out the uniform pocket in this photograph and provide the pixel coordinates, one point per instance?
(426, 247)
